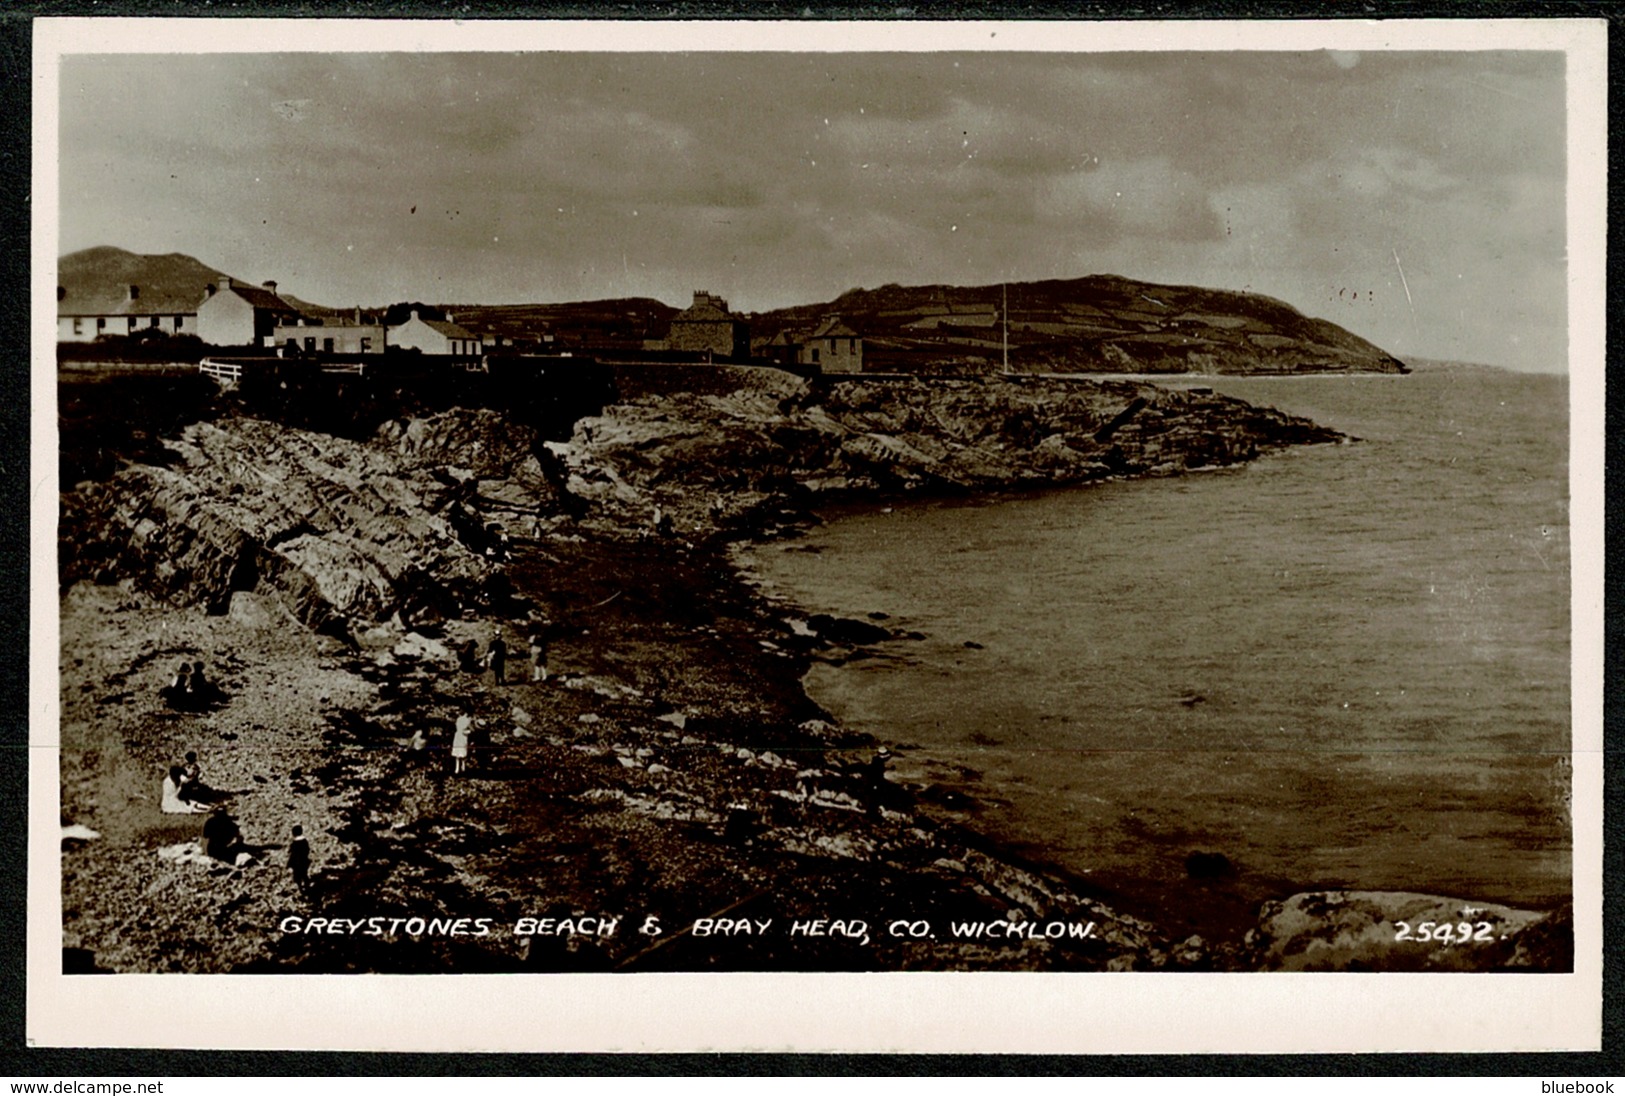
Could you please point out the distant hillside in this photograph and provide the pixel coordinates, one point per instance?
(97, 282)
(1098, 323)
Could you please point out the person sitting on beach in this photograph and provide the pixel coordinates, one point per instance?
(172, 801)
(223, 840)
(468, 657)
(203, 691)
(178, 691)
(193, 789)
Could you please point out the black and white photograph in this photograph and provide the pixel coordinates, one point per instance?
(1034, 505)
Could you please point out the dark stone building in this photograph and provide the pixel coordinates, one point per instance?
(708, 326)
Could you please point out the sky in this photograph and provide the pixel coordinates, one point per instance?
(1416, 198)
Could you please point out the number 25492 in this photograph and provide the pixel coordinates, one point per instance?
(1460, 932)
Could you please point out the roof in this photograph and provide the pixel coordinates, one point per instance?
(707, 308)
(833, 328)
(450, 330)
(257, 296)
(315, 322)
(115, 301)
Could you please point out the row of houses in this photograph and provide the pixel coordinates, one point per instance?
(234, 313)
(708, 326)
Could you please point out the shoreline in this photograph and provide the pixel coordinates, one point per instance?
(678, 770)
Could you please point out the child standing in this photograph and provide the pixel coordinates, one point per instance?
(299, 859)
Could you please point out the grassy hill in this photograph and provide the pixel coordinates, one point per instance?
(1100, 323)
(97, 282)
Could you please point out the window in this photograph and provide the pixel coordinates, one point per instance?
(366, 344)
(327, 345)
(310, 343)
(78, 326)
(152, 321)
(177, 323)
(101, 323)
(130, 323)
(815, 355)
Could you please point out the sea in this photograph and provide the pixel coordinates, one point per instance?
(1336, 666)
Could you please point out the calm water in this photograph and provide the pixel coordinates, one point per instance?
(1341, 665)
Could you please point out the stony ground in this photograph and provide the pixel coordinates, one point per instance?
(671, 768)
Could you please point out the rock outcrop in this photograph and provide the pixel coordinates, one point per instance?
(342, 531)
(776, 435)
(408, 522)
(1395, 930)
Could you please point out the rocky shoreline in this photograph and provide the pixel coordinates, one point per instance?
(670, 768)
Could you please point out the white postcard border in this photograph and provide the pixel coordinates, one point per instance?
(964, 1012)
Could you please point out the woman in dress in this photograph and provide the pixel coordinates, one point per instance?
(459, 743)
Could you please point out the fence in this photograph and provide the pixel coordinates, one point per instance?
(227, 373)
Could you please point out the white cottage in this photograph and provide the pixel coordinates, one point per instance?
(435, 337)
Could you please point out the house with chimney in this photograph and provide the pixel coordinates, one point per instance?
(332, 334)
(706, 326)
(233, 313)
(87, 312)
(830, 347)
(833, 347)
(435, 337)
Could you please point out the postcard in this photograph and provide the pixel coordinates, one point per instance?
(817, 536)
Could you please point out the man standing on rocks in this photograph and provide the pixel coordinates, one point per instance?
(538, 654)
(498, 657)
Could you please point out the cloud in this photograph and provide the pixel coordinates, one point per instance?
(784, 178)
(1132, 198)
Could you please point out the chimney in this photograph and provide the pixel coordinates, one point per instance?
(61, 292)
(450, 318)
(271, 286)
(135, 292)
(208, 291)
(358, 315)
(225, 284)
(414, 314)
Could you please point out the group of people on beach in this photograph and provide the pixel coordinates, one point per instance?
(190, 690)
(495, 658)
(184, 791)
